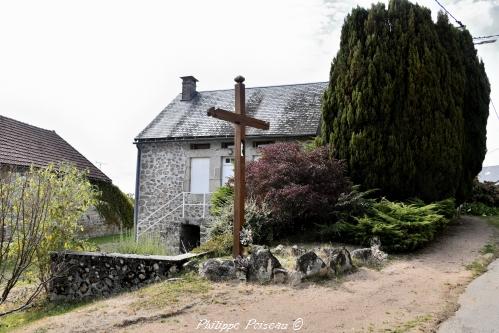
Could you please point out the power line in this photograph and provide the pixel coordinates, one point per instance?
(486, 37)
(493, 106)
(490, 41)
(461, 25)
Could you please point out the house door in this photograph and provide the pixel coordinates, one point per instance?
(227, 169)
(190, 236)
(200, 175)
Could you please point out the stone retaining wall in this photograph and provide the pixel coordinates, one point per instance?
(84, 275)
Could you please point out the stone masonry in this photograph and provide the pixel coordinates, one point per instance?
(85, 275)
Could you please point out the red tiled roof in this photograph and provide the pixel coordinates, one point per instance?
(25, 145)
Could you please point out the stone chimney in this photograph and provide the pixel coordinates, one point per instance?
(188, 87)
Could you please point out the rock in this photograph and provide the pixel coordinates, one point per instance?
(311, 265)
(261, 265)
(279, 249)
(218, 270)
(242, 268)
(280, 275)
(297, 251)
(173, 269)
(83, 288)
(295, 278)
(371, 255)
(362, 254)
(155, 267)
(340, 261)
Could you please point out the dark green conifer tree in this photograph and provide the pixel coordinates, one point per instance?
(407, 103)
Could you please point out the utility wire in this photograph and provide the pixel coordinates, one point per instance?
(486, 37)
(493, 106)
(461, 25)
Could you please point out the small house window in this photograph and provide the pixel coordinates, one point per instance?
(227, 144)
(200, 146)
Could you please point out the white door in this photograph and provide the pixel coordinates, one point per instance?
(200, 175)
(227, 169)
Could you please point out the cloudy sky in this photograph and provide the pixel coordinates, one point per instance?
(97, 72)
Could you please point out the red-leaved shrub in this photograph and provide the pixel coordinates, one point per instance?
(300, 186)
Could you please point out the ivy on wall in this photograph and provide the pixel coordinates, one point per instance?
(115, 206)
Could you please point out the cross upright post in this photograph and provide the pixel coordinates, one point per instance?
(240, 166)
(240, 121)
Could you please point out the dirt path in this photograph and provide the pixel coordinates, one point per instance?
(412, 293)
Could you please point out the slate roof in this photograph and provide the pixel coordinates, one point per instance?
(292, 110)
(25, 145)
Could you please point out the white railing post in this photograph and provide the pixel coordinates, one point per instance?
(183, 204)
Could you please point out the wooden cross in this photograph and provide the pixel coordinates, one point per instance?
(240, 121)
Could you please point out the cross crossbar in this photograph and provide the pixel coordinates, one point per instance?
(238, 119)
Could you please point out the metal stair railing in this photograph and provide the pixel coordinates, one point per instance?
(183, 205)
(152, 214)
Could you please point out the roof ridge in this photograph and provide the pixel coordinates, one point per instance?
(270, 86)
(27, 124)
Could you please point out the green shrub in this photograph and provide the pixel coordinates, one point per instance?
(479, 209)
(399, 226)
(486, 193)
(218, 246)
(222, 197)
(115, 206)
(258, 220)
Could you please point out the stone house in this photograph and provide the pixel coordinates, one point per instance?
(23, 145)
(183, 155)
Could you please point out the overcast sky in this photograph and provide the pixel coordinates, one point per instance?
(97, 72)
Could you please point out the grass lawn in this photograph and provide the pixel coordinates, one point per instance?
(125, 243)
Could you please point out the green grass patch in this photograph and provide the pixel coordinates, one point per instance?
(125, 243)
(217, 246)
(36, 312)
(102, 240)
(167, 292)
(409, 325)
(477, 267)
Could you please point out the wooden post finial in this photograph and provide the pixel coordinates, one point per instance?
(239, 79)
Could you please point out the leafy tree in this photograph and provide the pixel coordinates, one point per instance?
(407, 103)
(39, 210)
(299, 186)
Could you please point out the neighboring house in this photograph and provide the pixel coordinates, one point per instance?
(184, 155)
(489, 174)
(23, 145)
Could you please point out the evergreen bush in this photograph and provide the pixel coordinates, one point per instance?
(399, 226)
(407, 103)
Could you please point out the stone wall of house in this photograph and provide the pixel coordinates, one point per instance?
(85, 275)
(94, 225)
(164, 173)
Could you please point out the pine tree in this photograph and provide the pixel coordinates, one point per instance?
(407, 103)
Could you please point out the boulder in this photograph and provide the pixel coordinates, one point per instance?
(362, 254)
(261, 265)
(372, 255)
(280, 275)
(242, 268)
(218, 270)
(295, 277)
(311, 265)
(297, 251)
(279, 249)
(340, 261)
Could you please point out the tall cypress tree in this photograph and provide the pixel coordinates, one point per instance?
(407, 103)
